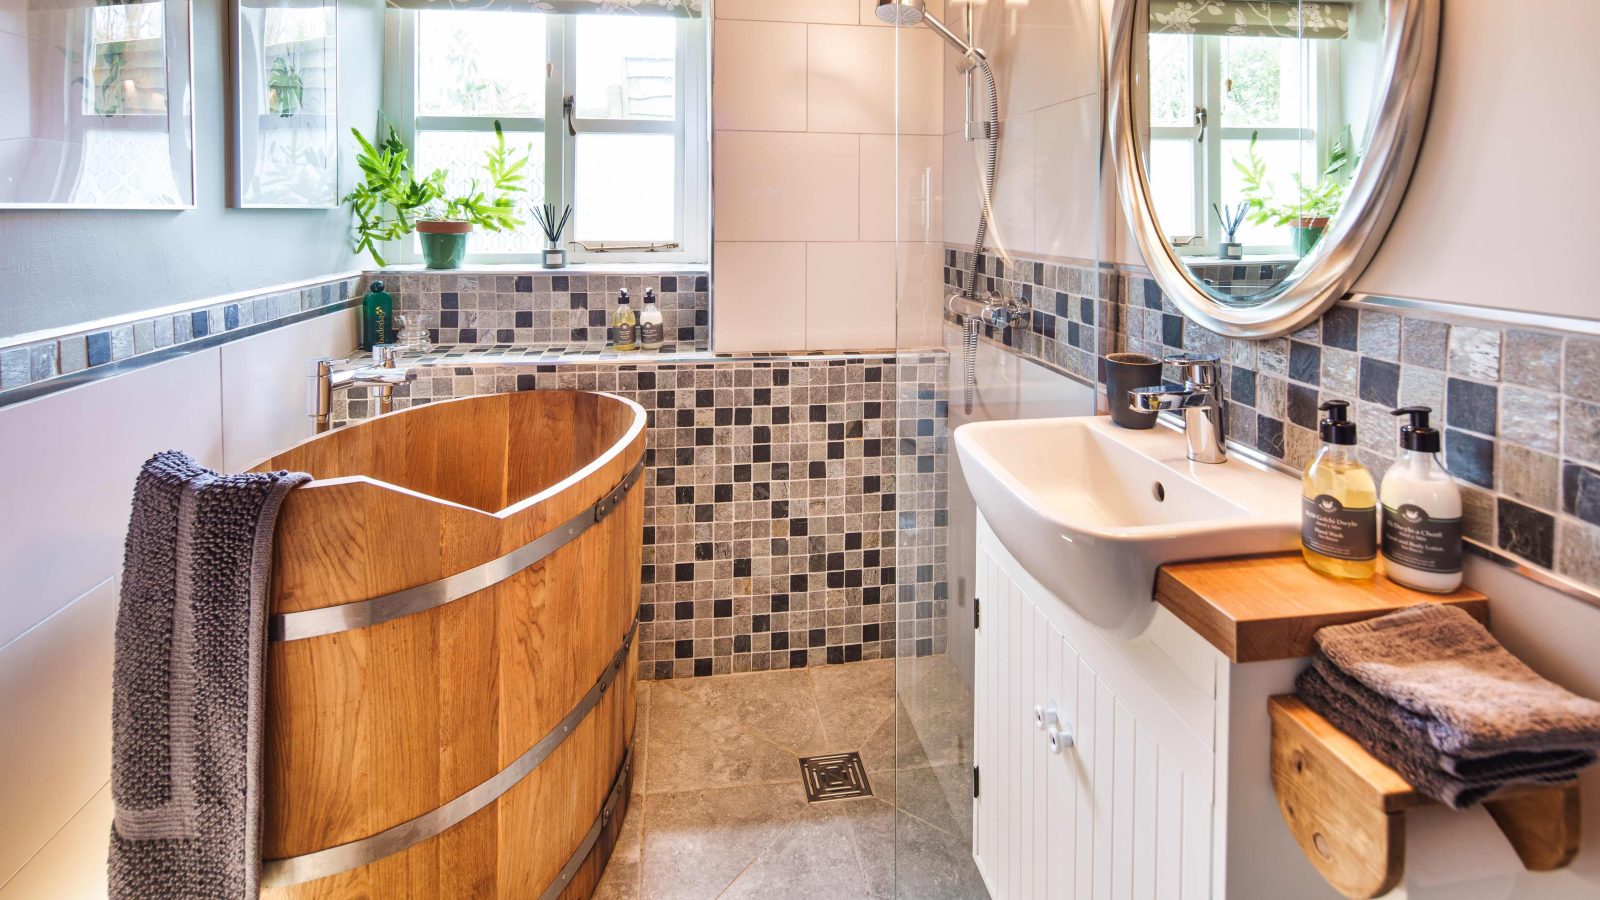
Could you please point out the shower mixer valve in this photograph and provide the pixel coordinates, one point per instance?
(996, 311)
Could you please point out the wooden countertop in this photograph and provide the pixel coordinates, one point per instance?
(1258, 608)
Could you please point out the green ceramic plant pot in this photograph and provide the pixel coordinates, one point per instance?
(444, 244)
(1306, 234)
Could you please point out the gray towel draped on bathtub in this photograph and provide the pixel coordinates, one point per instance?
(187, 682)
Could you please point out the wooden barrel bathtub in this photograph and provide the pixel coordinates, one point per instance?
(451, 656)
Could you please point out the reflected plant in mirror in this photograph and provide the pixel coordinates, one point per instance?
(1243, 136)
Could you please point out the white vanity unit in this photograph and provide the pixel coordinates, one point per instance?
(1122, 743)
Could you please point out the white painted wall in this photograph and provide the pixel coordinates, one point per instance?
(67, 468)
(62, 267)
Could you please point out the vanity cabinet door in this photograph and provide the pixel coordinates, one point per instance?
(1123, 809)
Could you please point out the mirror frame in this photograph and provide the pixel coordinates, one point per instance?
(1402, 101)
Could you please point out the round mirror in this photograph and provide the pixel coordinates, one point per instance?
(1261, 147)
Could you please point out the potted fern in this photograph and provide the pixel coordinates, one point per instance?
(390, 202)
(1316, 203)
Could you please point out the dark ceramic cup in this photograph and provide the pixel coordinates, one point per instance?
(1124, 372)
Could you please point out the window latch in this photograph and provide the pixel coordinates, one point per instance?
(567, 106)
(1199, 122)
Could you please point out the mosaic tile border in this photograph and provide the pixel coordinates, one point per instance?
(548, 309)
(794, 506)
(37, 363)
(1071, 326)
(1519, 407)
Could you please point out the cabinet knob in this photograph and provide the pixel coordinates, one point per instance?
(1060, 737)
(1045, 717)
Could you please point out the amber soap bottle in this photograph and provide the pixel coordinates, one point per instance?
(1339, 505)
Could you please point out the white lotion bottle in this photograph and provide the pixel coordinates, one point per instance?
(652, 325)
(1421, 511)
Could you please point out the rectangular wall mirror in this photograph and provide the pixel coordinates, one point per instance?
(96, 107)
(285, 104)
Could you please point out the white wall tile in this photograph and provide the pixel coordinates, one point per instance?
(264, 386)
(851, 84)
(890, 164)
(1066, 148)
(838, 12)
(850, 296)
(1015, 187)
(961, 189)
(1041, 53)
(67, 467)
(776, 186)
(919, 290)
(760, 299)
(759, 82)
(72, 866)
(55, 746)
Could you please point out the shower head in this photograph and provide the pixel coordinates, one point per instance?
(911, 13)
(904, 13)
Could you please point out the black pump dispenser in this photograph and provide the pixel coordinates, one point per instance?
(1417, 435)
(1337, 427)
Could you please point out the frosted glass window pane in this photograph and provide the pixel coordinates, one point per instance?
(1172, 183)
(474, 63)
(627, 67)
(625, 187)
(461, 153)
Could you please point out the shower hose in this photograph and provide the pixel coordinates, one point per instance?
(970, 324)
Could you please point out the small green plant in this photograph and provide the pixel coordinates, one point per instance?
(1318, 200)
(390, 200)
(286, 88)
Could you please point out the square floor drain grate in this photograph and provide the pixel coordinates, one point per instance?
(836, 776)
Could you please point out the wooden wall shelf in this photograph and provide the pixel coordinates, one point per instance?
(1347, 810)
(1256, 608)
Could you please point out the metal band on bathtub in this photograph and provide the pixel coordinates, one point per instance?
(276, 873)
(619, 789)
(363, 613)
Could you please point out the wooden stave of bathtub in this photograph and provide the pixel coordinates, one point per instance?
(374, 727)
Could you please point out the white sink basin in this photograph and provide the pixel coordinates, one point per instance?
(1091, 510)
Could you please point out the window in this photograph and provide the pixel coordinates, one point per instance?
(1209, 95)
(633, 88)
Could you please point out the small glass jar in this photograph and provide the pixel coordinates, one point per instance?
(413, 337)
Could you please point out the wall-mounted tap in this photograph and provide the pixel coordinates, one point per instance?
(1205, 410)
(322, 381)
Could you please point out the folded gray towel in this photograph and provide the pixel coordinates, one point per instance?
(1456, 783)
(187, 682)
(1476, 699)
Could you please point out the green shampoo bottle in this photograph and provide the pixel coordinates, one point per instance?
(377, 317)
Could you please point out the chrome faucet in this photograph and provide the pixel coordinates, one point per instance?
(322, 381)
(1205, 410)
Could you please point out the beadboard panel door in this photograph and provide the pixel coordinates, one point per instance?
(1126, 811)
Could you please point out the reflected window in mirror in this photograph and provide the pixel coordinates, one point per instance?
(1253, 109)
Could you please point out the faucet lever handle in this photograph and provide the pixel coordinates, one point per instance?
(1198, 368)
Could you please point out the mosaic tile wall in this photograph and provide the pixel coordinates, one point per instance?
(1241, 279)
(40, 361)
(551, 310)
(777, 493)
(1520, 409)
(1070, 327)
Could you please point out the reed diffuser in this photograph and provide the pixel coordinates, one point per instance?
(1230, 220)
(555, 256)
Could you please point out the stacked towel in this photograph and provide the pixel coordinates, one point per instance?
(187, 682)
(1432, 694)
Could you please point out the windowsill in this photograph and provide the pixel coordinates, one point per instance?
(1249, 259)
(533, 268)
